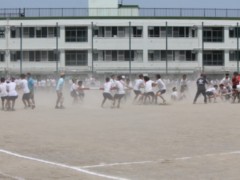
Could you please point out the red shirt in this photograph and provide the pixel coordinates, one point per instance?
(235, 80)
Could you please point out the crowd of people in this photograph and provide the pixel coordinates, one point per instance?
(115, 88)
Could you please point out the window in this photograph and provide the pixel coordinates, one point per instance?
(119, 55)
(2, 32)
(213, 34)
(154, 55)
(28, 32)
(121, 31)
(76, 34)
(15, 32)
(137, 31)
(233, 56)
(234, 32)
(76, 58)
(2, 56)
(213, 58)
(178, 55)
(153, 31)
(33, 56)
(15, 56)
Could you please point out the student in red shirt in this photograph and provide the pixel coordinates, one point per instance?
(235, 82)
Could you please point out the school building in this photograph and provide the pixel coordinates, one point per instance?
(108, 37)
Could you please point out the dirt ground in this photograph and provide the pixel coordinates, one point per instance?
(177, 141)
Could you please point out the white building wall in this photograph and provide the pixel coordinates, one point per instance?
(144, 43)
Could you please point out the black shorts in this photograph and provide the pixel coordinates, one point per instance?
(12, 98)
(161, 91)
(137, 92)
(149, 94)
(107, 96)
(209, 93)
(4, 98)
(26, 96)
(74, 94)
(119, 96)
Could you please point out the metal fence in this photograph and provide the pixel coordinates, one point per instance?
(141, 12)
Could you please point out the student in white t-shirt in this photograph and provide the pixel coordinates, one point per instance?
(3, 92)
(174, 95)
(12, 94)
(120, 92)
(139, 83)
(26, 92)
(73, 91)
(161, 88)
(148, 90)
(107, 91)
(212, 93)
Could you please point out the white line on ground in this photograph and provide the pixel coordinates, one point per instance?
(60, 165)
(161, 160)
(12, 177)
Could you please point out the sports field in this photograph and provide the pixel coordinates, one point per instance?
(178, 141)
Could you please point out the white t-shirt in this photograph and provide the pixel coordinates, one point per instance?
(11, 87)
(226, 82)
(148, 86)
(138, 84)
(212, 89)
(161, 85)
(174, 95)
(74, 87)
(24, 85)
(120, 87)
(3, 90)
(183, 82)
(107, 87)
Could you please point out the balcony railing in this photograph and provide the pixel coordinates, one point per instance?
(129, 12)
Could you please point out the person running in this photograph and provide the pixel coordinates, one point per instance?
(3, 92)
(26, 91)
(31, 88)
(201, 89)
(12, 95)
(120, 92)
(235, 83)
(59, 91)
(226, 81)
(174, 94)
(183, 87)
(139, 83)
(74, 91)
(212, 93)
(107, 91)
(161, 88)
(223, 92)
(148, 90)
(80, 90)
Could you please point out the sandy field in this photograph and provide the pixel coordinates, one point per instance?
(177, 141)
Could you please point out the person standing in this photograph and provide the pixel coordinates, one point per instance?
(59, 91)
(3, 92)
(31, 88)
(26, 91)
(201, 89)
(12, 94)
(107, 91)
(139, 83)
(183, 87)
(161, 88)
(120, 92)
